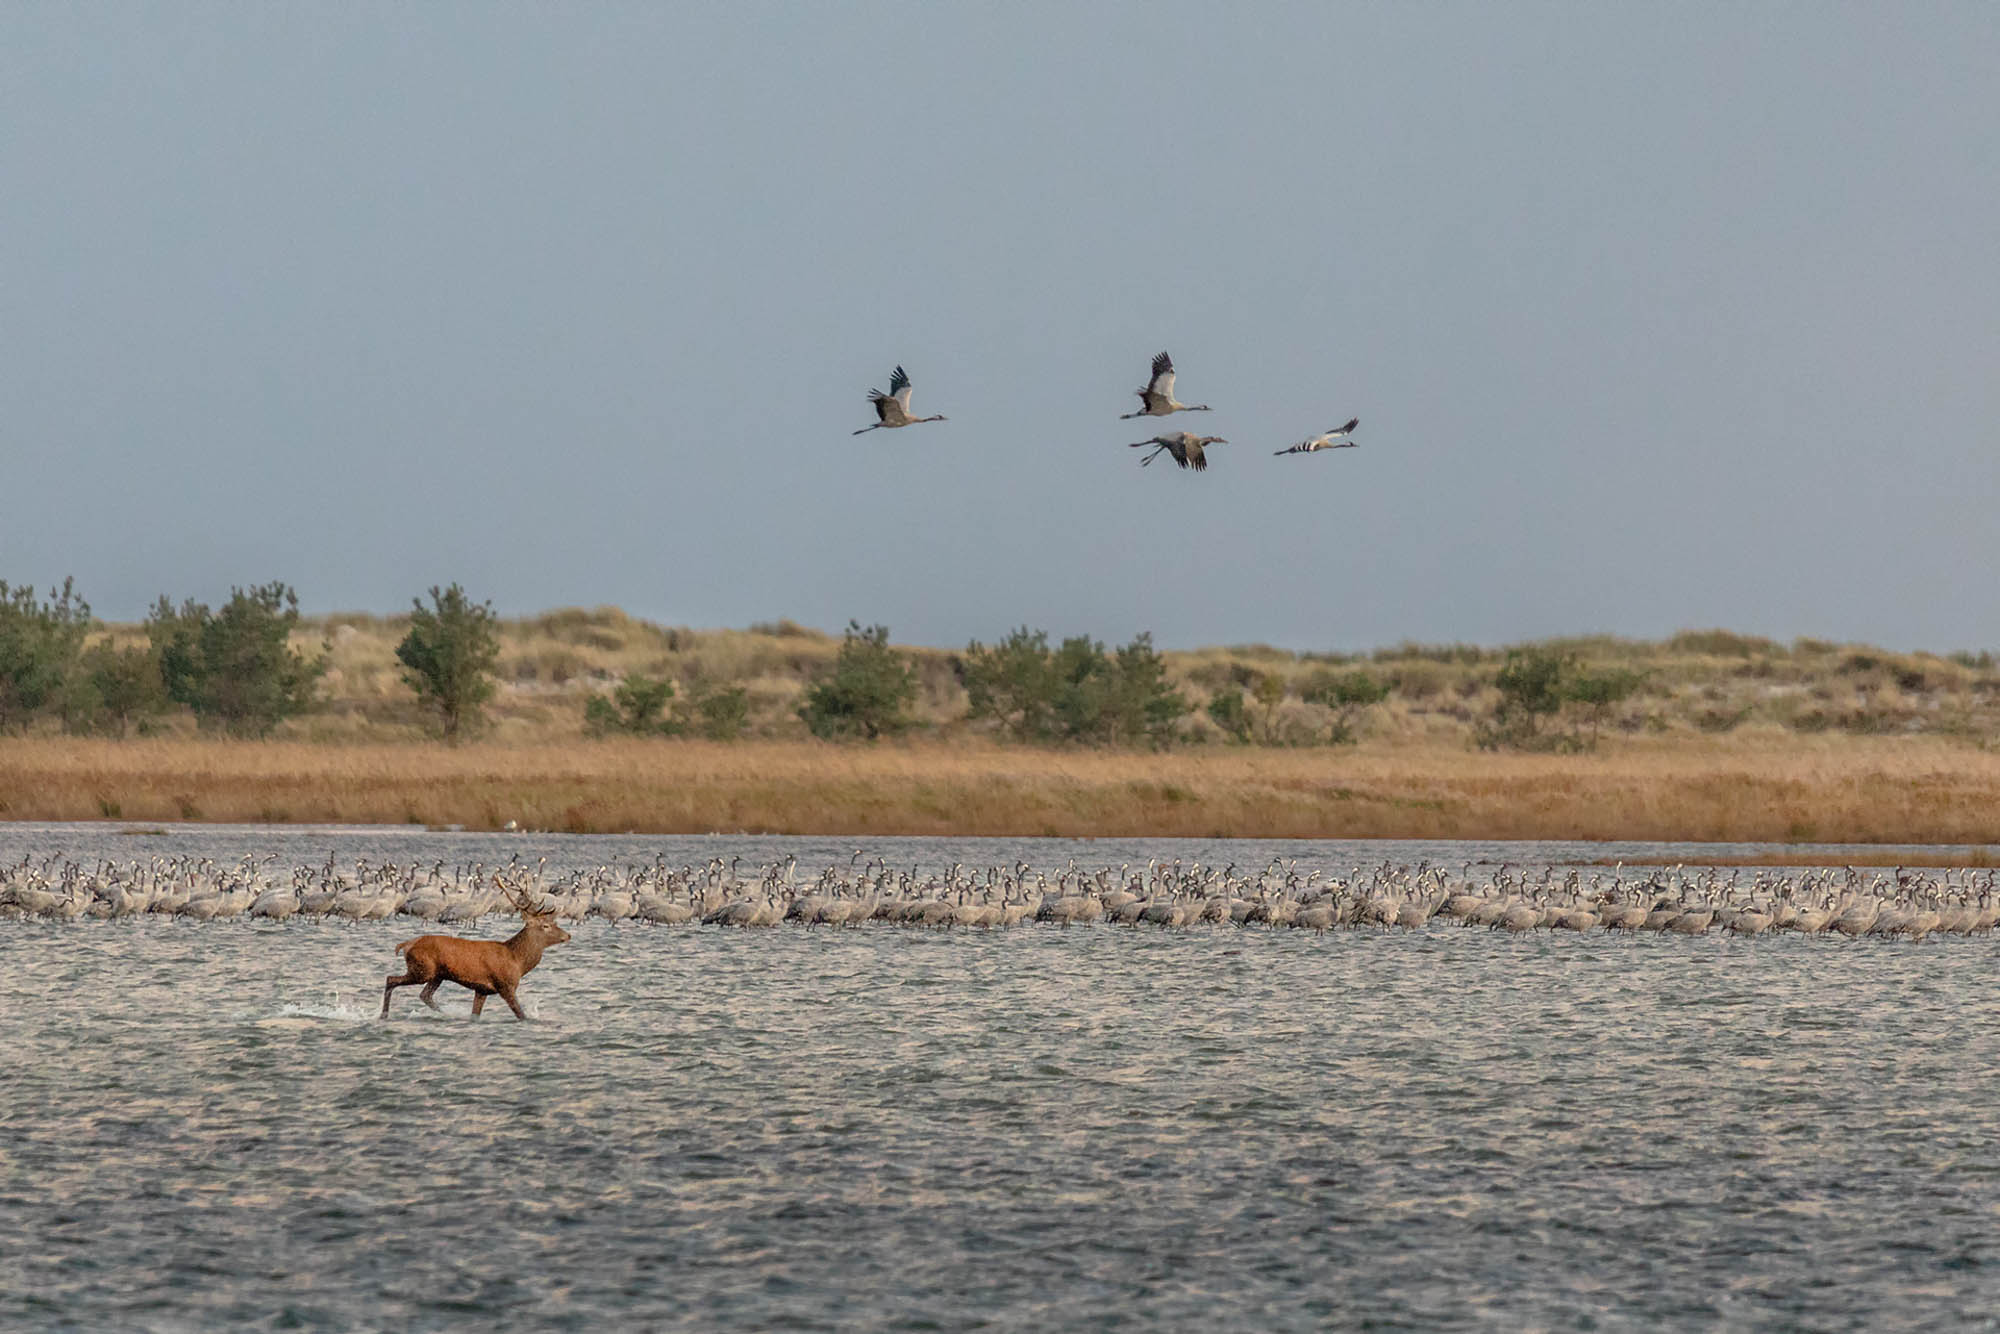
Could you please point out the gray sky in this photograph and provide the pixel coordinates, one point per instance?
(1654, 316)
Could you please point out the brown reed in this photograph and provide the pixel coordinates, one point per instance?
(1828, 788)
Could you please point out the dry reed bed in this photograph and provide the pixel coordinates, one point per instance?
(1830, 789)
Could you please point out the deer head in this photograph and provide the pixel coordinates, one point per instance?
(539, 920)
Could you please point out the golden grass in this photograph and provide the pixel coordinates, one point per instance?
(1760, 788)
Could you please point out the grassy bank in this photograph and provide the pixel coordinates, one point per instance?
(1697, 684)
(1821, 788)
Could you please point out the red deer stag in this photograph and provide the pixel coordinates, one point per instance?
(483, 967)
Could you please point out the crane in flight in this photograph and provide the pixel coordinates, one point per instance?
(893, 408)
(1185, 446)
(1157, 398)
(1340, 437)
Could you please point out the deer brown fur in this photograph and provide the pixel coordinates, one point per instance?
(483, 967)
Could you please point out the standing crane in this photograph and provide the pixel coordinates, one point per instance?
(1157, 398)
(1337, 438)
(1185, 446)
(893, 408)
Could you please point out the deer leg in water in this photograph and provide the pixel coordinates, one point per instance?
(403, 981)
(428, 993)
(507, 994)
(478, 1003)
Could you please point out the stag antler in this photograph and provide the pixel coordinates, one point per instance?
(520, 900)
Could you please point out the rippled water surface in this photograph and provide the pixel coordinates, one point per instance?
(1040, 1128)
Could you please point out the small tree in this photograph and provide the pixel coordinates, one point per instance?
(236, 668)
(1146, 706)
(1082, 690)
(1598, 692)
(1075, 693)
(40, 645)
(865, 693)
(123, 686)
(1347, 694)
(448, 657)
(637, 707)
(1533, 685)
(1012, 683)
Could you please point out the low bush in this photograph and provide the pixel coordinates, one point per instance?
(637, 707)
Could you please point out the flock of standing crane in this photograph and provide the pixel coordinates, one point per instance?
(1677, 901)
(1155, 400)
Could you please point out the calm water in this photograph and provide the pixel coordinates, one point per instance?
(1032, 1129)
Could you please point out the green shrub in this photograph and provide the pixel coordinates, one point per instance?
(40, 646)
(1228, 712)
(1083, 691)
(235, 667)
(1120, 699)
(1011, 685)
(123, 686)
(719, 712)
(448, 657)
(1347, 695)
(1532, 687)
(1599, 692)
(865, 693)
(1145, 705)
(1077, 693)
(637, 707)
(1336, 690)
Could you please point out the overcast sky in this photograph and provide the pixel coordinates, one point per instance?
(1655, 316)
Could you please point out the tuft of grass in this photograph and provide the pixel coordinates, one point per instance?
(1722, 644)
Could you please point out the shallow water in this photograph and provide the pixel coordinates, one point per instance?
(1041, 1128)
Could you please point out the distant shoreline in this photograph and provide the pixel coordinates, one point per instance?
(1698, 789)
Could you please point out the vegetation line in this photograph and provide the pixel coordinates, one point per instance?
(1862, 790)
(451, 669)
(594, 721)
